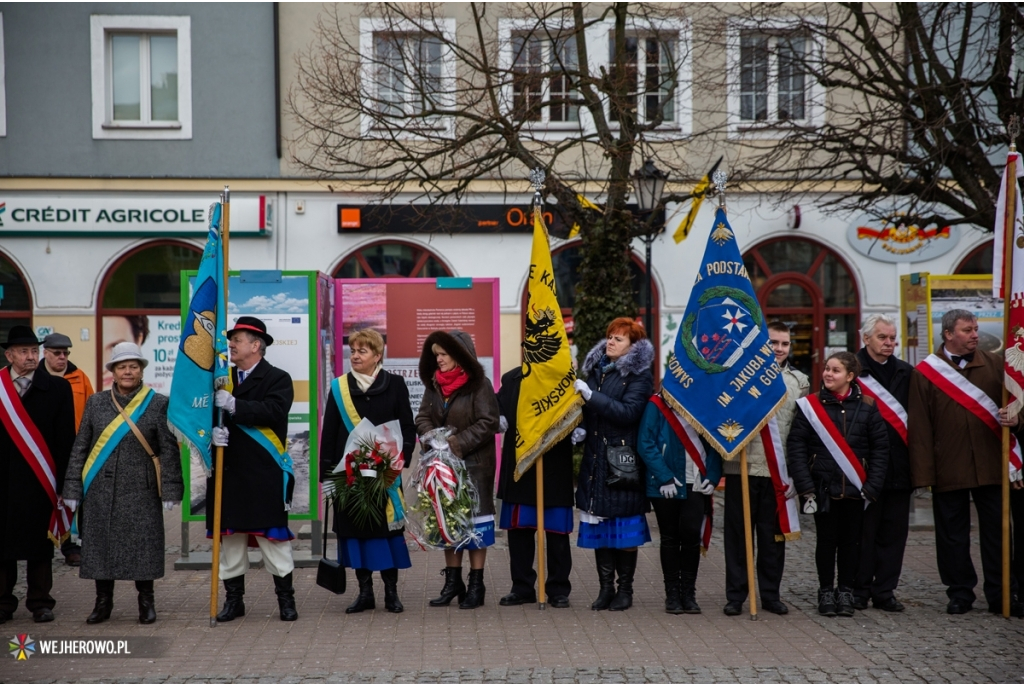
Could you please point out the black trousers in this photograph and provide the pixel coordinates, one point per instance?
(679, 521)
(953, 542)
(764, 522)
(522, 548)
(40, 581)
(839, 533)
(1017, 509)
(883, 541)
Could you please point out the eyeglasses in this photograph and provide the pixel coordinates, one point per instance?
(59, 353)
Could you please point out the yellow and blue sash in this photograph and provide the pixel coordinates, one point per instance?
(111, 436)
(342, 394)
(267, 439)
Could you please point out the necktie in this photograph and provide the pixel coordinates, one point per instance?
(241, 377)
(23, 384)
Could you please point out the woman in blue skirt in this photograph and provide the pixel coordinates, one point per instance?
(613, 522)
(370, 392)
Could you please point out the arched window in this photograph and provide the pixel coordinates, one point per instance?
(566, 261)
(15, 300)
(140, 294)
(813, 290)
(977, 261)
(392, 259)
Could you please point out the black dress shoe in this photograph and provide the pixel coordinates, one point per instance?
(891, 604)
(1016, 607)
(958, 606)
(559, 602)
(733, 608)
(860, 603)
(5, 616)
(775, 606)
(42, 615)
(514, 599)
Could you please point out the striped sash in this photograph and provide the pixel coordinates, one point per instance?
(267, 439)
(112, 435)
(888, 406)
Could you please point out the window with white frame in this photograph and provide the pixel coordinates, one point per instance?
(141, 77)
(407, 72)
(543, 69)
(651, 70)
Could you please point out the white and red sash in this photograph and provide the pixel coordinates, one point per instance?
(33, 448)
(834, 441)
(972, 398)
(695, 450)
(888, 406)
(775, 456)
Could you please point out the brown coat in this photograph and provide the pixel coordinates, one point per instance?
(950, 448)
(472, 410)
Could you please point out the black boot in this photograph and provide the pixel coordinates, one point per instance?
(673, 603)
(476, 591)
(688, 594)
(625, 567)
(605, 558)
(453, 587)
(104, 602)
(147, 601)
(234, 607)
(285, 597)
(364, 600)
(826, 601)
(391, 601)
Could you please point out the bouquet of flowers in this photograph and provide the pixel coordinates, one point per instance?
(445, 498)
(373, 461)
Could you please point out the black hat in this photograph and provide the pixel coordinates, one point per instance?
(20, 335)
(250, 324)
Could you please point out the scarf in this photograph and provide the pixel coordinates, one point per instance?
(363, 381)
(606, 364)
(849, 391)
(450, 381)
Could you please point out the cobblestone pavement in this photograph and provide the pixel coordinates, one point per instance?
(522, 644)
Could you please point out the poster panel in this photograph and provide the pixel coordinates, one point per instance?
(282, 300)
(406, 311)
(915, 331)
(971, 292)
(156, 334)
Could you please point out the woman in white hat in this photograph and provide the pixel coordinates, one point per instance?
(124, 463)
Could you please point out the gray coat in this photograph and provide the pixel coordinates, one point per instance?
(121, 518)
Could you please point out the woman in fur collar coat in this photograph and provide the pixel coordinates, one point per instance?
(613, 522)
(456, 393)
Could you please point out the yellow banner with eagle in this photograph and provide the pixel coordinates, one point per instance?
(548, 407)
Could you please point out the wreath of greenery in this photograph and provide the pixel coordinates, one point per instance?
(687, 336)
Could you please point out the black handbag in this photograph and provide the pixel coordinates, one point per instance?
(330, 574)
(623, 468)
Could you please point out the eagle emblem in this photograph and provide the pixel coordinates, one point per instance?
(541, 343)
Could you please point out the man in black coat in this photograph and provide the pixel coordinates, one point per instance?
(887, 522)
(257, 481)
(26, 506)
(519, 509)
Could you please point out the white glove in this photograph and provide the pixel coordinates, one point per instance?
(810, 505)
(583, 389)
(668, 491)
(225, 400)
(71, 504)
(706, 487)
(791, 491)
(578, 435)
(220, 437)
(169, 505)
(502, 424)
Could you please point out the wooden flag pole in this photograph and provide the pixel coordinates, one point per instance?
(747, 533)
(1010, 214)
(542, 558)
(218, 469)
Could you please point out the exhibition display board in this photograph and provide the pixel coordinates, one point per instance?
(925, 297)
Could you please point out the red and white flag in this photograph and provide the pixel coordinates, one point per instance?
(1010, 226)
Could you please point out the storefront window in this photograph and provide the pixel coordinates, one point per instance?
(811, 289)
(392, 260)
(140, 302)
(979, 261)
(15, 302)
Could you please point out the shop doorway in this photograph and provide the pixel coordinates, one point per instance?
(811, 289)
(15, 298)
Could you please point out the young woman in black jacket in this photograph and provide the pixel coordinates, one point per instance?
(818, 476)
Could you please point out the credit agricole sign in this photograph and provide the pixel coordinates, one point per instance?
(137, 214)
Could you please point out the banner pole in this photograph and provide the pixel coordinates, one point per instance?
(542, 558)
(1008, 230)
(218, 469)
(747, 533)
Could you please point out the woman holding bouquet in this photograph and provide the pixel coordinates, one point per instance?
(457, 394)
(375, 542)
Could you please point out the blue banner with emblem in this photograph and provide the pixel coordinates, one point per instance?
(722, 375)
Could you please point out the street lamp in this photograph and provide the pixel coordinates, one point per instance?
(649, 185)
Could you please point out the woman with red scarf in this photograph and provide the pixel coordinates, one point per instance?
(458, 394)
